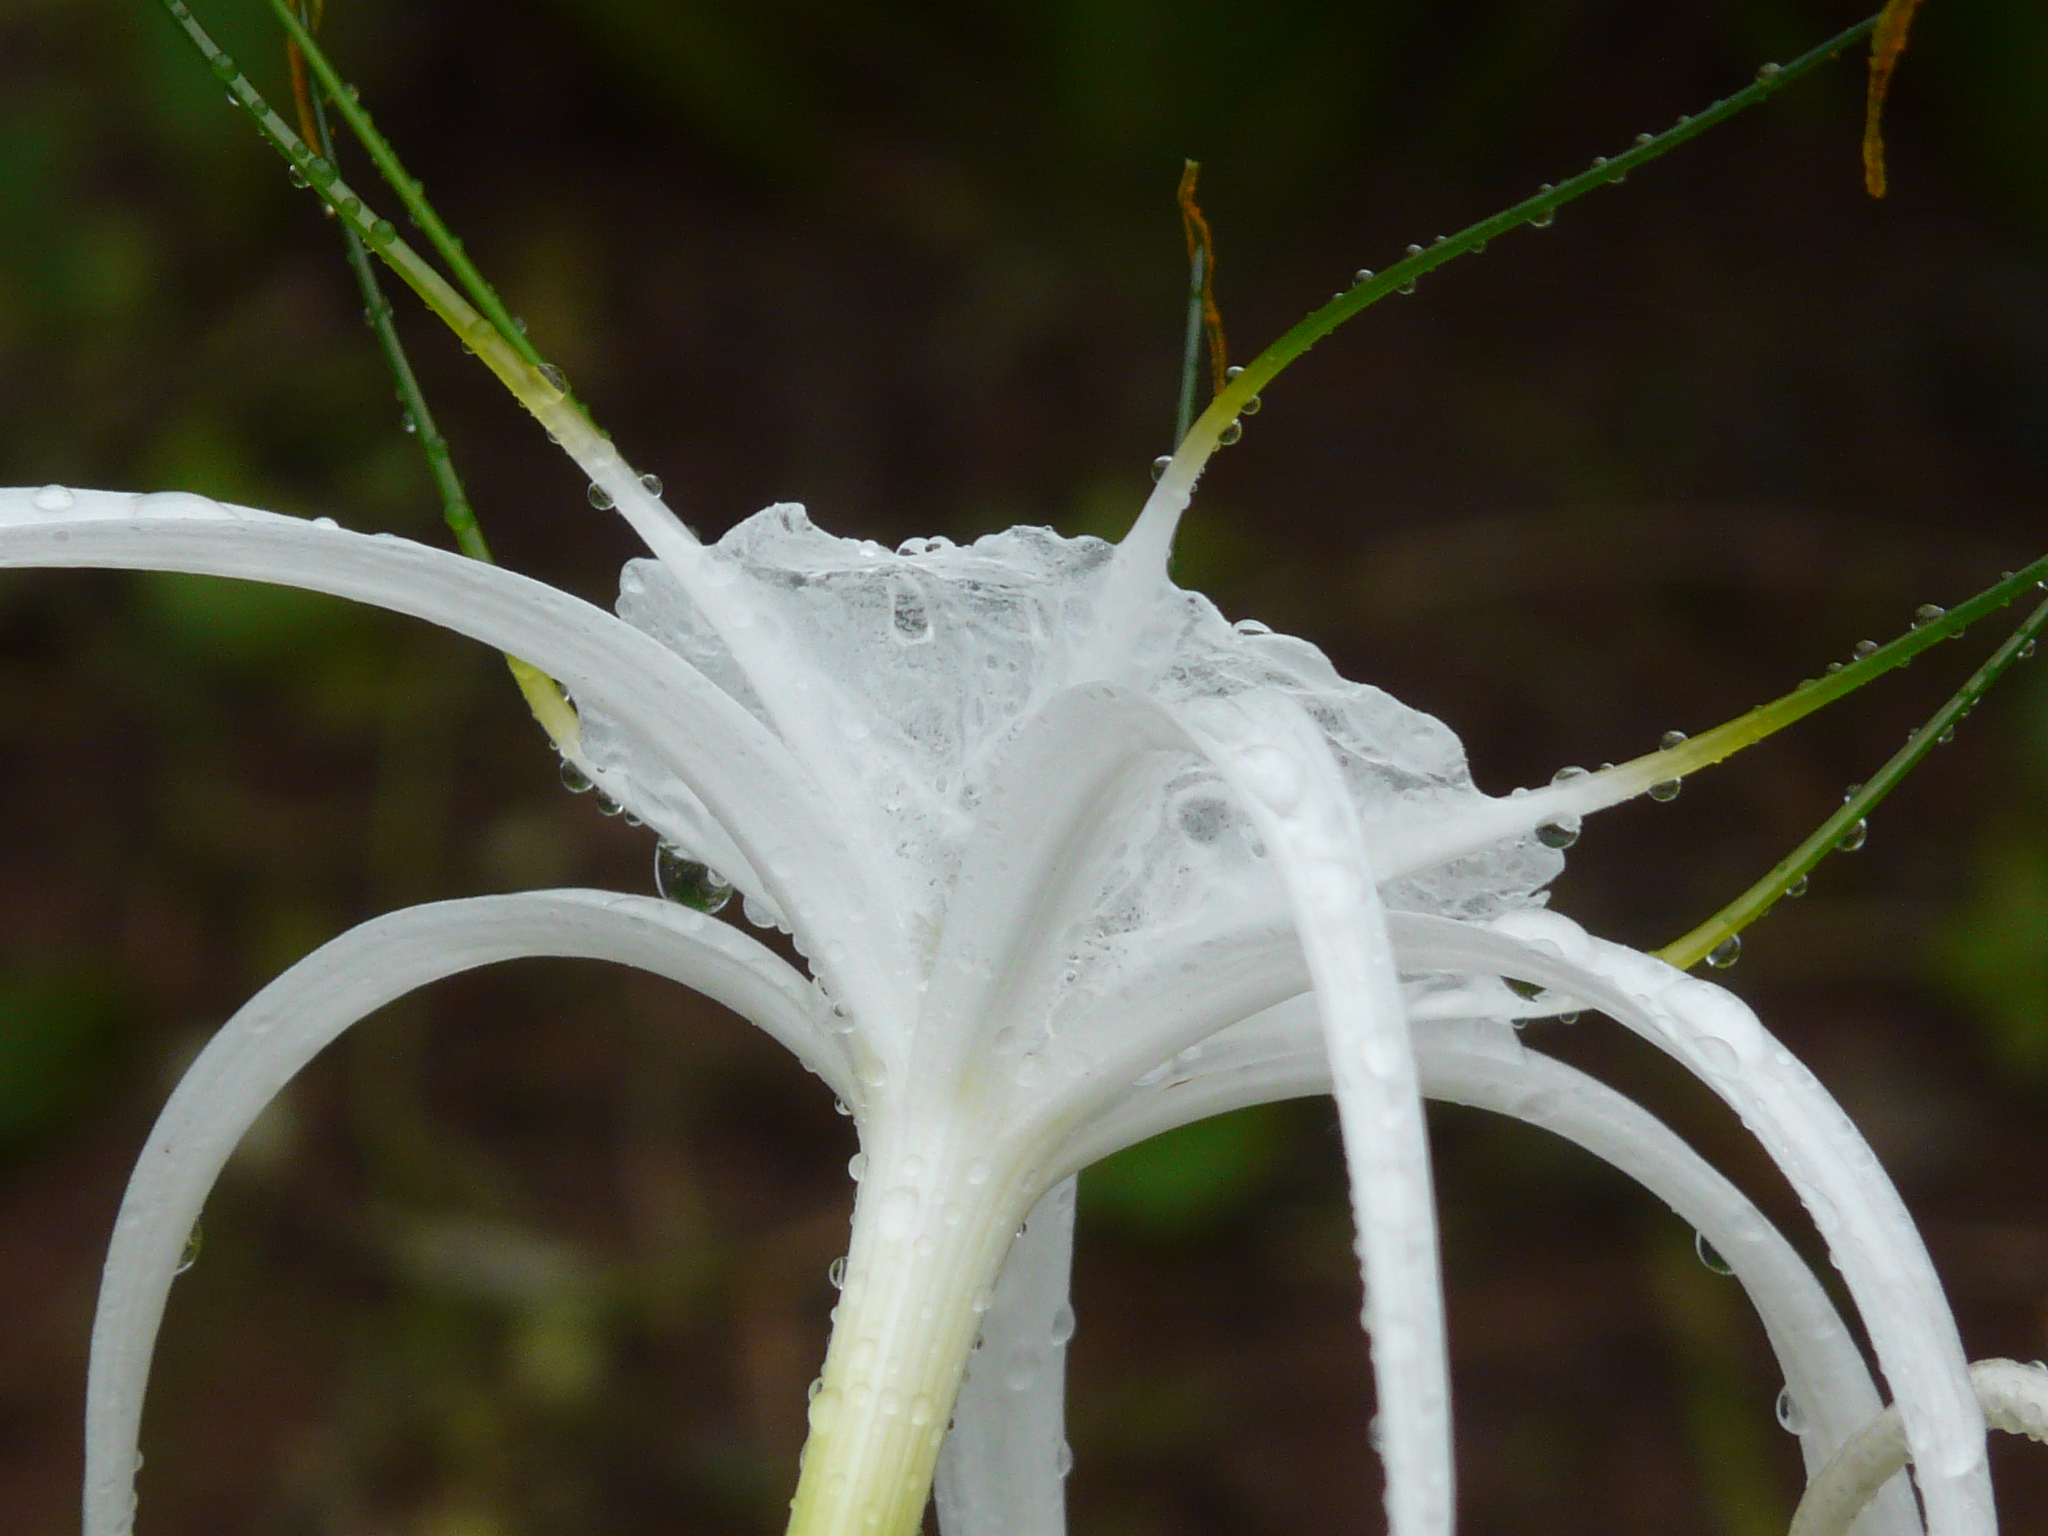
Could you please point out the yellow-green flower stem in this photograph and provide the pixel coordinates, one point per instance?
(932, 1223)
(503, 348)
(409, 191)
(1753, 903)
(1611, 786)
(1154, 530)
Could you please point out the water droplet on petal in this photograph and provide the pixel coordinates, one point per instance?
(53, 498)
(555, 378)
(1644, 138)
(857, 1165)
(1557, 834)
(1799, 887)
(1666, 790)
(836, 1273)
(651, 484)
(1670, 739)
(978, 1172)
(1725, 953)
(1927, 613)
(1062, 1325)
(1865, 648)
(607, 806)
(1566, 774)
(2027, 650)
(1362, 275)
(574, 779)
(1231, 432)
(1159, 465)
(297, 177)
(1769, 71)
(600, 498)
(688, 883)
(1063, 1459)
(1855, 837)
(1790, 1418)
(190, 1255)
(1230, 374)
(1710, 1255)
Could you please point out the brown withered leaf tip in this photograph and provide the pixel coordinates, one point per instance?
(1887, 42)
(1196, 228)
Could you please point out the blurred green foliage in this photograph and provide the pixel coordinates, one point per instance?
(1192, 1181)
(61, 1032)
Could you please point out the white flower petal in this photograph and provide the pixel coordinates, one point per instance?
(1483, 1064)
(1023, 880)
(279, 1030)
(1281, 766)
(1869, 1233)
(1003, 1468)
(752, 785)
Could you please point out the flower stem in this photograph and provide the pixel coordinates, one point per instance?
(931, 1226)
(1201, 440)
(1753, 903)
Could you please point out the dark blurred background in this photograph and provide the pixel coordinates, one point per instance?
(544, 1251)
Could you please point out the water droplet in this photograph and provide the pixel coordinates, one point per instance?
(1855, 837)
(2027, 650)
(1063, 1459)
(840, 1106)
(574, 779)
(857, 1165)
(1414, 250)
(1671, 739)
(688, 883)
(1643, 139)
(53, 498)
(978, 1172)
(1851, 792)
(1666, 790)
(1544, 219)
(1725, 953)
(920, 1410)
(383, 232)
(1947, 735)
(554, 378)
(651, 484)
(1865, 648)
(297, 177)
(1231, 432)
(1362, 275)
(607, 806)
(1062, 1325)
(1927, 613)
(1599, 162)
(1407, 287)
(1569, 1016)
(1769, 71)
(811, 1392)
(1159, 465)
(982, 1299)
(1251, 407)
(1231, 374)
(1567, 773)
(320, 171)
(1710, 1255)
(1799, 887)
(1023, 1375)
(1834, 667)
(600, 498)
(890, 1402)
(1789, 1416)
(190, 1255)
(1557, 834)
(837, 1272)
(223, 66)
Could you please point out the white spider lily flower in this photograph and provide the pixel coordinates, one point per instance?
(1071, 860)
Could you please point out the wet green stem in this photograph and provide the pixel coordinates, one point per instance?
(1847, 823)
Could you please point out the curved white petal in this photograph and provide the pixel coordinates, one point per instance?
(1023, 874)
(1279, 763)
(1483, 1064)
(1003, 1468)
(775, 813)
(1869, 1233)
(2014, 1398)
(280, 1029)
